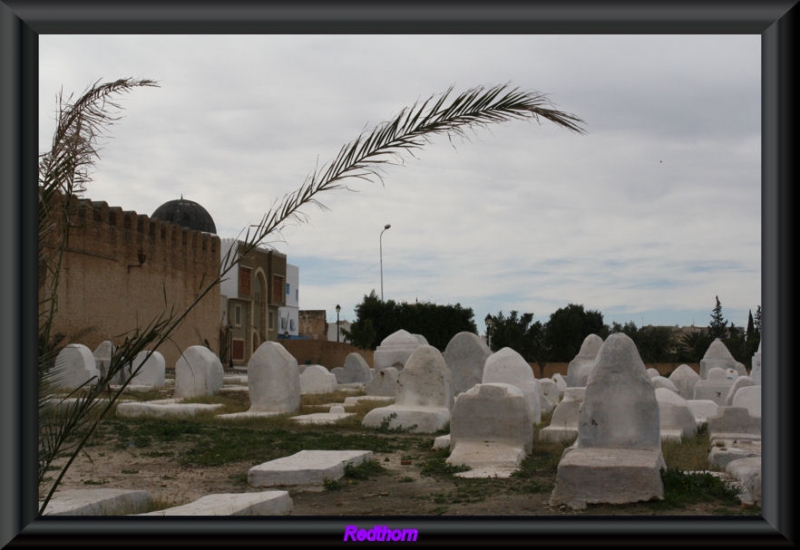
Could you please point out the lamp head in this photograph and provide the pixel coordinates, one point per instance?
(387, 226)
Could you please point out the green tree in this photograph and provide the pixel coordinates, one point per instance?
(522, 334)
(568, 327)
(692, 346)
(718, 327)
(757, 321)
(654, 344)
(376, 319)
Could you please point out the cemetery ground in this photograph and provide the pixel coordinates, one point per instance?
(181, 460)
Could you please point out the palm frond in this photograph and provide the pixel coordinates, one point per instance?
(365, 157)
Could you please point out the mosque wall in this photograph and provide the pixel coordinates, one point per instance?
(123, 270)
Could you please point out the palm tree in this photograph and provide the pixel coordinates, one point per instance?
(66, 168)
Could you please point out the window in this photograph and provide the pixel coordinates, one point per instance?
(245, 274)
(288, 289)
(271, 320)
(237, 315)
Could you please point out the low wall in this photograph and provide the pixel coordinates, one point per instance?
(665, 369)
(322, 352)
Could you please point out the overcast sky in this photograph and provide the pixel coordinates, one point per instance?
(646, 218)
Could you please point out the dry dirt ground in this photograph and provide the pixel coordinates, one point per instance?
(400, 491)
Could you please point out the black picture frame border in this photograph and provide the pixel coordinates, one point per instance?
(21, 22)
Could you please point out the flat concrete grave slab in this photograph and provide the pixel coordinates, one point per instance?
(377, 399)
(234, 389)
(487, 459)
(165, 410)
(441, 442)
(603, 475)
(247, 414)
(133, 388)
(335, 414)
(235, 379)
(748, 472)
(725, 451)
(98, 502)
(266, 503)
(305, 468)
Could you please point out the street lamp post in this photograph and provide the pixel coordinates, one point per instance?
(488, 320)
(338, 309)
(385, 227)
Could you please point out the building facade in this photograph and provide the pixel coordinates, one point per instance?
(252, 293)
(289, 314)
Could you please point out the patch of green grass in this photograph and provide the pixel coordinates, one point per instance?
(93, 482)
(385, 429)
(363, 470)
(240, 479)
(694, 487)
(689, 454)
(437, 466)
(406, 479)
(331, 485)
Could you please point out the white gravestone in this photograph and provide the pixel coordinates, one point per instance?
(355, 370)
(579, 368)
(465, 355)
(317, 379)
(491, 430)
(507, 366)
(617, 456)
(273, 377)
(424, 395)
(676, 418)
(715, 387)
(75, 366)
(395, 350)
(151, 370)
(717, 356)
(684, 378)
(198, 372)
(383, 383)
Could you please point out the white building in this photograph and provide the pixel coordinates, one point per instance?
(289, 315)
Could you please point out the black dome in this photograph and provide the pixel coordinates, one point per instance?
(187, 214)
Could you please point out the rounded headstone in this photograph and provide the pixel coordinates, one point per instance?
(674, 413)
(395, 350)
(425, 381)
(684, 377)
(355, 370)
(198, 372)
(507, 366)
(466, 355)
(151, 370)
(273, 377)
(582, 364)
(75, 366)
(716, 356)
(619, 408)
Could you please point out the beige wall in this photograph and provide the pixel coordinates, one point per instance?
(119, 269)
(321, 352)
